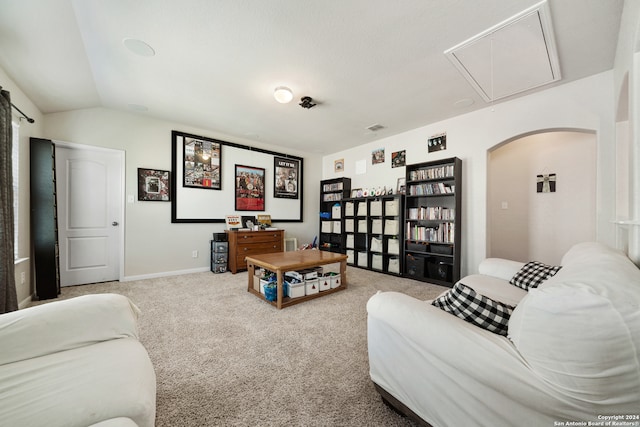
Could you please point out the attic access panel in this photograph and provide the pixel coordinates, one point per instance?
(514, 56)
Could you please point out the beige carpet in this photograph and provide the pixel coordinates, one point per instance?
(225, 358)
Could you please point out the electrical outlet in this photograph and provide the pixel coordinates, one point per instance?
(22, 277)
(194, 254)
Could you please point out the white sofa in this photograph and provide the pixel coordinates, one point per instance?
(75, 362)
(572, 351)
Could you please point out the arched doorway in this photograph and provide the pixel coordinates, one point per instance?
(529, 220)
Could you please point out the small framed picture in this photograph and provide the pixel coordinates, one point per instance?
(338, 165)
(153, 185)
(398, 159)
(400, 188)
(356, 192)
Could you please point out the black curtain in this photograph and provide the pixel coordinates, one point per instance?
(8, 297)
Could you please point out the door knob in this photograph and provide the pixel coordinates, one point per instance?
(115, 223)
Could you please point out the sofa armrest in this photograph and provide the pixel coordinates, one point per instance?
(445, 369)
(501, 268)
(65, 325)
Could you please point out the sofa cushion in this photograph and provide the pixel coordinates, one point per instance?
(467, 304)
(532, 274)
(494, 288)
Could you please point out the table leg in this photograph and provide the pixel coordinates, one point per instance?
(343, 272)
(280, 290)
(250, 270)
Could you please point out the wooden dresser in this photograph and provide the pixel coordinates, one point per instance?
(243, 243)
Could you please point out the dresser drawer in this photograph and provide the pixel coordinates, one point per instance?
(254, 237)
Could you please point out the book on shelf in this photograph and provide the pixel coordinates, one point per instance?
(436, 172)
(337, 186)
(442, 233)
(332, 197)
(431, 189)
(432, 213)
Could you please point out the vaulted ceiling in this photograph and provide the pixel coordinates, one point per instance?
(216, 63)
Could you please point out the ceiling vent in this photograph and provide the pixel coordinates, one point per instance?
(514, 56)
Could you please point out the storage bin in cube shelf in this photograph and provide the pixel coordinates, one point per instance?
(311, 287)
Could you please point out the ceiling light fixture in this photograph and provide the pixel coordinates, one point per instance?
(283, 94)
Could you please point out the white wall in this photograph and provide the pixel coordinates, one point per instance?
(585, 104)
(525, 225)
(153, 245)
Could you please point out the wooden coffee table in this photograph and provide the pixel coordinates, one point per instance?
(281, 262)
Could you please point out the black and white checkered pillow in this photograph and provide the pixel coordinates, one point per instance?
(532, 274)
(467, 304)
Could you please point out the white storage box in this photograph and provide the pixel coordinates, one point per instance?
(324, 283)
(391, 226)
(391, 208)
(394, 265)
(393, 246)
(349, 226)
(311, 287)
(362, 226)
(295, 290)
(335, 281)
(376, 244)
(348, 209)
(362, 208)
(336, 211)
(376, 226)
(350, 241)
(376, 261)
(350, 256)
(327, 226)
(362, 260)
(375, 208)
(337, 227)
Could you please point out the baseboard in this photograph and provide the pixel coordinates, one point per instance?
(25, 302)
(164, 274)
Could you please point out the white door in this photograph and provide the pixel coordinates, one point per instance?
(89, 196)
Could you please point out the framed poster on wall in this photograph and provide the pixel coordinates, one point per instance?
(153, 185)
(286, 183)
(202, 162)
(249, 188)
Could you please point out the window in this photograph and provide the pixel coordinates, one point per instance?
(15, 161)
